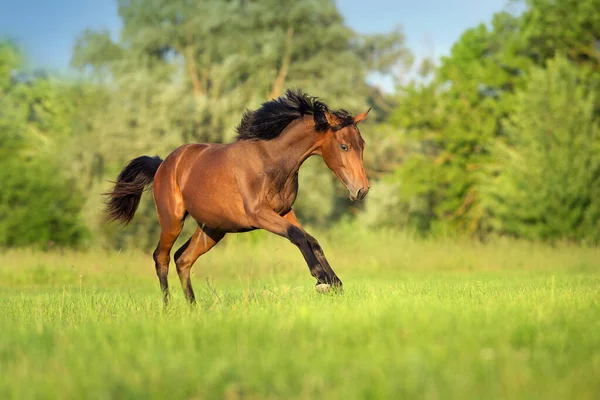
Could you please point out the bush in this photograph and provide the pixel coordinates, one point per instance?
(37, 206)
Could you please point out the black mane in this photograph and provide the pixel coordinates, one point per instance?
(273, 116)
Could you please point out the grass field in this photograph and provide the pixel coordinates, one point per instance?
(418, 319)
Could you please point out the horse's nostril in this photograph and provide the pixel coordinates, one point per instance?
(361, 193)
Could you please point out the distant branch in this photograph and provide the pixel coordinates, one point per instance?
(192, 69)
(279, 81)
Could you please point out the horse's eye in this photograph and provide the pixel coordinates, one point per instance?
(344, 147)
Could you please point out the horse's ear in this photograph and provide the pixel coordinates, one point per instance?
(331, 119)
(361, 117)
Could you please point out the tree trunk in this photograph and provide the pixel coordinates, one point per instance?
(192, 70)
(279, 81)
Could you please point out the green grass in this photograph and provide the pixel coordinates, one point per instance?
(418, 319)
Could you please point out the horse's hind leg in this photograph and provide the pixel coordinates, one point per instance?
(201, 241)
(169, 232)
(171, 215)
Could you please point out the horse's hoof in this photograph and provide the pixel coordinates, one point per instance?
(323, 288)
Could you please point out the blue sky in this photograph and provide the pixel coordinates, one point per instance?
(47, 28)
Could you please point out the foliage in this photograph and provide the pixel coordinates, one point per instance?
(568, 27)
(453, 122)
(547, 183)
(36, 208)
(450, 124)
(37, 204)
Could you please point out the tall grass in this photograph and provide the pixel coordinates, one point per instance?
(441, 318)
(356, 254)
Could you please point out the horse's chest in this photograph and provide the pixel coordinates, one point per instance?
(282, 197)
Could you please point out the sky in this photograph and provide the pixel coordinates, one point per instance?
(46, 29)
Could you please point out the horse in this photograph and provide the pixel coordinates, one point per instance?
(248, 184)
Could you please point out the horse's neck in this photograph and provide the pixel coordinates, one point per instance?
(295, 144)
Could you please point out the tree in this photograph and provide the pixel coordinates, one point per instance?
(451, 124)
(232, 55)
(567, 27)
(546, 183)
(38, 205)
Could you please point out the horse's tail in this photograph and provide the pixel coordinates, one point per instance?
(131, 183)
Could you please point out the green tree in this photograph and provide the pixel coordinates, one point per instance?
(546, 183)
(449, 124)
(38, 205)
(231, 55)
(567, 27)
(452, 122)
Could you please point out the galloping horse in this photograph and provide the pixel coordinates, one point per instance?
(249, 184)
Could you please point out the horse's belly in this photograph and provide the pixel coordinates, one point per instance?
(214, 200)
(217, 212)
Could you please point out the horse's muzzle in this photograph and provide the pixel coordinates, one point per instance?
(359, 194)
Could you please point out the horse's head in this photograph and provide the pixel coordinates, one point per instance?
(342, 150)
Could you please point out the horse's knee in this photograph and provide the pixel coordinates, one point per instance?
(182, 264)
(161, 263)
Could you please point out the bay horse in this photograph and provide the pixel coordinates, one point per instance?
(249, 184)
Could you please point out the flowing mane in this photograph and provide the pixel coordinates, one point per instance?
(273, 116)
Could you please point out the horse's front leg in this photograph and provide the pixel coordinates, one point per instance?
(265, 218)
(317, 250)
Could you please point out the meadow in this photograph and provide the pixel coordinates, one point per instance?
(432, 319)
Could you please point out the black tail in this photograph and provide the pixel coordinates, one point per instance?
(131, 183)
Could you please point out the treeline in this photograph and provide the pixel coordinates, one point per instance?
(505, 137)
(500, 138)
